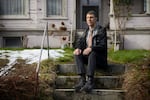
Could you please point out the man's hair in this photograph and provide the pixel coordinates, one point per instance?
(92, 12)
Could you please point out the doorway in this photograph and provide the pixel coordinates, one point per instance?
(83, 6)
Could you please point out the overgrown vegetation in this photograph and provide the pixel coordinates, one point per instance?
(137, 79)
(47, 79)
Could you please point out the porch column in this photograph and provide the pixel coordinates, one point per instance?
(111, 8)
(111, 16)
(148, 6)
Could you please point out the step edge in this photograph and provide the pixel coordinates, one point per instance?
(94, 90)
(63, 76)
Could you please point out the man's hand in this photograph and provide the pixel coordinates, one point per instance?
(87, 51)
(77, 51)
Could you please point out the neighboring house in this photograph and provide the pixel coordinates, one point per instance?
(22, 22)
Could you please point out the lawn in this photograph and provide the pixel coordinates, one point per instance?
(122, 56)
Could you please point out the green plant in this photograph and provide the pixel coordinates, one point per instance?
(68, 56)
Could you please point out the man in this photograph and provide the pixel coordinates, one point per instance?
(91, 49)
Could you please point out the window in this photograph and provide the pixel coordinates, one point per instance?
(56, 8)
(12, 42)
(13, 7)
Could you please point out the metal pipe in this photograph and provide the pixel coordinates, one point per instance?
(38, 65)
(47, 39)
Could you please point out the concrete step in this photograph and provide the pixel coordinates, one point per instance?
(96, 94)
(112, 69)
(101, 82)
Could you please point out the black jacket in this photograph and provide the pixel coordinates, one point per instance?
(99, 44)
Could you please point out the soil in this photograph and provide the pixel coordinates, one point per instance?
(19, 83)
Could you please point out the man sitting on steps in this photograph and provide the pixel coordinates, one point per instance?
(91, 49)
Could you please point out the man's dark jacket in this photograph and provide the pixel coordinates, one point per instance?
(99, 45)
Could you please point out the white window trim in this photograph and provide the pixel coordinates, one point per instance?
(65, 10)
(26, 16)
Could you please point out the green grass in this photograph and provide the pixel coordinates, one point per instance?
(128, 56)
(122, 56)
(68, 56)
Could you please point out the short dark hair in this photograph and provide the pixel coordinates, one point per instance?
(92, 12)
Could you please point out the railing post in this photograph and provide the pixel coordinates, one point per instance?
(47, 39)
(38, 64)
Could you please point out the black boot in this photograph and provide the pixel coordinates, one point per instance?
(89, 85)
(81, 83)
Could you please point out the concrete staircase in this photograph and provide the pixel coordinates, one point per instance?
(107, 84)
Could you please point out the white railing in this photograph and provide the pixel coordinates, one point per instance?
(41, 50)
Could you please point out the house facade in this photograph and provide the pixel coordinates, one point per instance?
(22, 22)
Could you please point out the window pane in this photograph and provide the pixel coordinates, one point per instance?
(12, 7)
(55, 7)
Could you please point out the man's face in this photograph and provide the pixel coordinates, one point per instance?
(91, 20)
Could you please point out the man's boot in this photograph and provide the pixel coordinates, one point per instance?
(80, 84)
(89, 85)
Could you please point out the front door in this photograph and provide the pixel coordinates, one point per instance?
(83, 6)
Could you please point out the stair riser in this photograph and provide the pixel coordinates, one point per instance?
(100, 82)
(102, 95)
(112, 69)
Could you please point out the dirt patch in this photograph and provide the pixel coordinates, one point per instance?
(19, 84)
(3, 62)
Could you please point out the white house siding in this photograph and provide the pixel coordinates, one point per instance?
(137, 27)
(137, 42)
(22, 23)
(138, 22)
(36, 21)
(42, 19)
(54, 41)
(37, 18)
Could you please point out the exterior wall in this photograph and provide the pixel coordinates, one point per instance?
(35, 22)
(138, 22)
(137, 27)
(105, 12)
(54, 41)
(138, 18)
(137, 42)
(42, 19)
(37, 18)
(22, 23)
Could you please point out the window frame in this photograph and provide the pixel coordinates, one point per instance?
(25, 16)
(64, 13)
